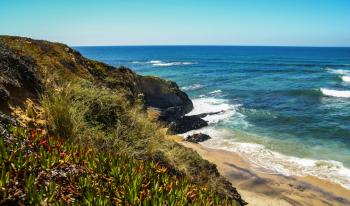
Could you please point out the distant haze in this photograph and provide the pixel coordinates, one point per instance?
(180, 22)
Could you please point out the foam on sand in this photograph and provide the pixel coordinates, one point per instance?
(335, 93)
(271, 162)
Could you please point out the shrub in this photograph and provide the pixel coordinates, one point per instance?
(103, 119)
(38, 170)
(59, 114)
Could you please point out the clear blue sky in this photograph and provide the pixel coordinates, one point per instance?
(168, 22)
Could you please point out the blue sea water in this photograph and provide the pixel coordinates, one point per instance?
(285, 109)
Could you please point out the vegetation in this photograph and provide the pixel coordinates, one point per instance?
(39, 170)
(96, 144)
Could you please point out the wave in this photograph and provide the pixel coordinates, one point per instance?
(216, 92)
(268, 161)
(222, 109)
(192, 87)
(335, 93)
(346, 78)
(164, 64)
(305, 92)
(338, 71)
(269, 63)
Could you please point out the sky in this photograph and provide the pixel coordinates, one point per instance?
(180, 22)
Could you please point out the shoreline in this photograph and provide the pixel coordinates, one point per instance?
(259, 188)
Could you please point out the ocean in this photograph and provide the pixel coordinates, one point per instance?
(284, 109)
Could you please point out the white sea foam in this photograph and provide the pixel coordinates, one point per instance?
(163, 64)
(155, 62)
(192, 87)
(338, 71)
(268, 161)
(216, 92)
(222, 109)
(335, 93)
(346, 78)
(167, 64)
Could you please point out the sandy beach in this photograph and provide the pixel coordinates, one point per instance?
(259, 188)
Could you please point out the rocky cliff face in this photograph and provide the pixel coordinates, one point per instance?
(27, 64)
(18, 79)
(28, 67)
(164, 95)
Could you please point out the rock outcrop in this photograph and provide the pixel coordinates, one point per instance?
(26, 64)
(18, 78)
(195, 138)
(165, 95)
(5, 120)
(185, 123)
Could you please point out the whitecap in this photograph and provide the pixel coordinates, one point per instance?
(216, 92)
(163, 64)
(192, 87)
(338, 71)
(154, 62)
(220, 109)
(335, 93)
(346, 78)
(167, 64)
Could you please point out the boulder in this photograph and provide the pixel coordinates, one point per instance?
(18, 80)
(186, 123)
(164, 95)
(195, 138)
(202, 115)
(5, 121)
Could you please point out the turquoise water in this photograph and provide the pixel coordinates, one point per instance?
(286, 109)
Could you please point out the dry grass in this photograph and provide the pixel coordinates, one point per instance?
(105, 120)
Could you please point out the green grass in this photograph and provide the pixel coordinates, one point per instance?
(38, 170)
(91, 108)
(104, 120)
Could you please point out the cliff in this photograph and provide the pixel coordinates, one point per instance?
(27, 65)
(97, 106)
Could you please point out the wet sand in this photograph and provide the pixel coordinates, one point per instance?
(263, 189)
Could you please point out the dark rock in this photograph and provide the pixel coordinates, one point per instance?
(202, 115)
(185, 124)
(24, 61)
(178, 124)
(195, 138)
(171, 114)
(164, 95)
(5, 121)
(18, 79)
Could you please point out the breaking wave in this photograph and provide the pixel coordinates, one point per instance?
(338, 71)
(335, 93)
(218, 109)
(192, 87)
(346, 78)
(268, 161)
(164, 64)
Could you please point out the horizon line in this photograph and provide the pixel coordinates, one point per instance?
(209, 45)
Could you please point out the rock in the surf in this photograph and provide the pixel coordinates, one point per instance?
(186, 123)
(195, 138)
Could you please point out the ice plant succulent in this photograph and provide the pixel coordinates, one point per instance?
(40, 170)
